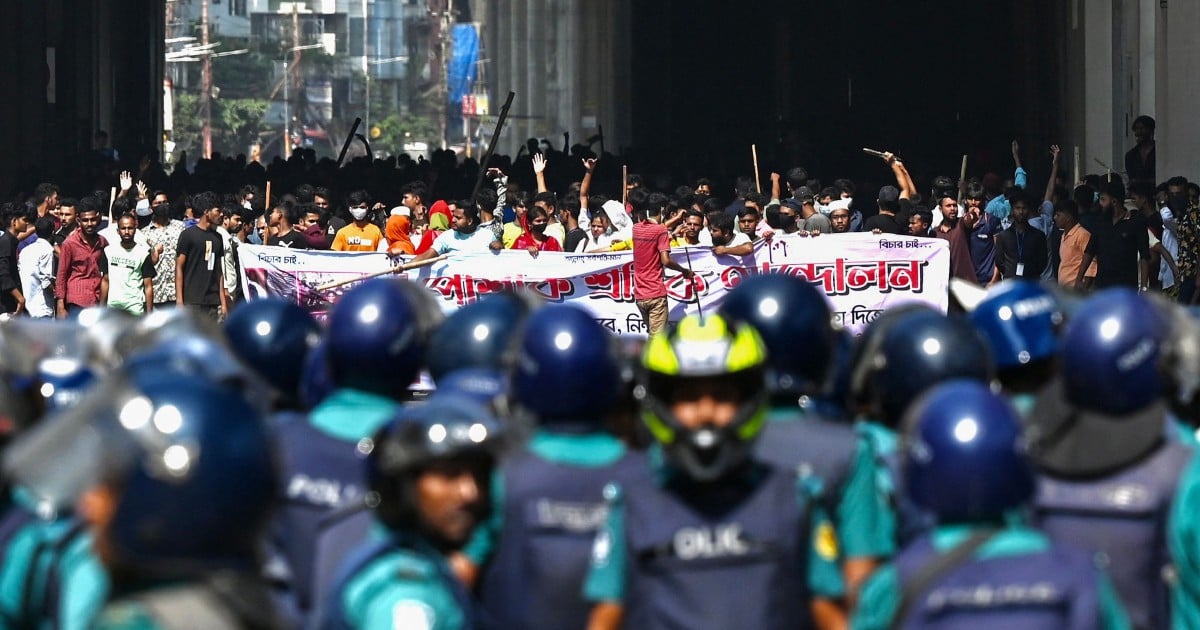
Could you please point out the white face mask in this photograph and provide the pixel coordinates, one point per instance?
(358, 213)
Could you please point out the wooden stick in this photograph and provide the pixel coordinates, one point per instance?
(624, 184)
(396, 269)
(757, 183)
(268, 202)
(1078, 166)
(962, 178)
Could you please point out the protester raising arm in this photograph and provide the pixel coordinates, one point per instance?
(539, 171)
(585, 190)
(903, 180)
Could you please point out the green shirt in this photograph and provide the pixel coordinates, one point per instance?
(39, 549)
(1183, 540)
(881, 594)
(854, 530)
(403, 588)
(591, 450)
(351, 415)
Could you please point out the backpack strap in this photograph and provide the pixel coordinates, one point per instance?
(935, 570)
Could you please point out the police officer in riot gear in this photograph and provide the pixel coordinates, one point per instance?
(273, 338)
(833, 461)
(50, 575)
(904, 352)
(712, 537)
(1109, 463)
(377, 335)
(428, 471)
(478, 334)
(1021, 321)
(549, 496)
(980, 567)
(175, 475)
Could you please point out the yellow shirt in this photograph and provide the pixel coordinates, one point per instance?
(620, 246)
(355, 239)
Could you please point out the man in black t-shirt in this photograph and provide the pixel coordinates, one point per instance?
(283, 219)
(198, 261)
(1120, 243)
(14, 218)
(885, 222)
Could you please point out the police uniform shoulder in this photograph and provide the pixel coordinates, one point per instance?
(411, 566)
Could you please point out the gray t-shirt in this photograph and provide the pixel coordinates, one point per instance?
(817, 222)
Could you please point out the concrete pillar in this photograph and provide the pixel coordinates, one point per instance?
(1098, 85)
(1178, 136)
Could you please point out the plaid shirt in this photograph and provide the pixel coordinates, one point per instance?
(79, 270)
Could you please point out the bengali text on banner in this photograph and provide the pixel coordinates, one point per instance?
(862, 275)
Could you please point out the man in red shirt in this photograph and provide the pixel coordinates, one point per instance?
(957, 231)
(78, 285)
(651, 254)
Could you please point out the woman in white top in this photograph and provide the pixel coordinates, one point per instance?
(598, 238)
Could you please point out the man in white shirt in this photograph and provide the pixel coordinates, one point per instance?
(464, 236)
(725, 238)
(35, 264)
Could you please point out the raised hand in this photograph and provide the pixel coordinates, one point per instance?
(141, 189)
(126, 181)
(539, 163)
(1054, 150)
(589, 164)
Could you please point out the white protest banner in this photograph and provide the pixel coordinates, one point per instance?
(862, 275)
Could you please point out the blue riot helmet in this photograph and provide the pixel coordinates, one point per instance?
(964, 458)
(704, 356)
(102, 327)
(1111, 353)
(482, 386)
(479, 334)
(161, 325)
(61, 358)
(316, 383)
(449, 432)
(566, 369)
(794, 320)
(907, 351)
(378, 333)
(274, 338)
(186, 467)
(1020, 320)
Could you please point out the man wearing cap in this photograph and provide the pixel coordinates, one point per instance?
(885, 222)
(807, 217)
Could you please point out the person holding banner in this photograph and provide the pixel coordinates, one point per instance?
(651, 256)
(463, 236)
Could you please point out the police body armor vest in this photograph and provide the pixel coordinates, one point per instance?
(912, 521)
(726, 555)
(552, 512)
(1122, 518)
(1051, 590)
(812, 447)
(220, 601)
(320, 473)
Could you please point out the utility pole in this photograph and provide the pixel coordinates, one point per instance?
(206, 82)
(440, 11)
(287, 79)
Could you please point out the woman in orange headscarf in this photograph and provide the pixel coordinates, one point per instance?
(398, 232)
